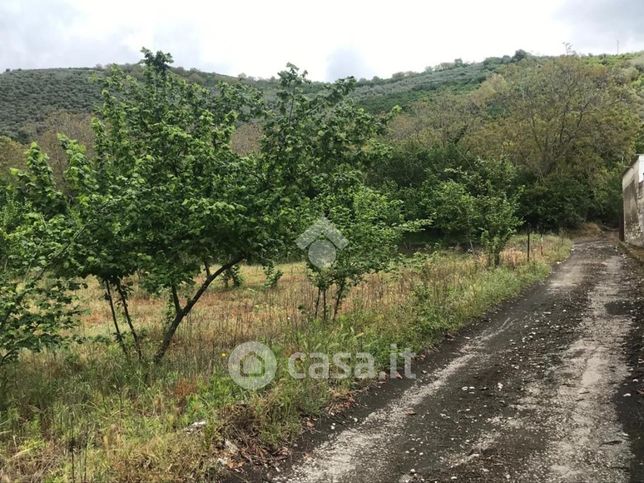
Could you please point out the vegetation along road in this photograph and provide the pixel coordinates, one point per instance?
(546, 389)
(141, 248)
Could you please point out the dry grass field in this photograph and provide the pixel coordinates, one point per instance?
(86, 413)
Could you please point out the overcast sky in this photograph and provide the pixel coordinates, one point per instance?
(329, 38)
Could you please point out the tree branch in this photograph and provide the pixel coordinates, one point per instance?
(181, 314)
(176, 301)
(119, 336)
(126, 311)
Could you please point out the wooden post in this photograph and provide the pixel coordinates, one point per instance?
(528, 244)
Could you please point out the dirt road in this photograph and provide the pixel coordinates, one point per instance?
(545, 389)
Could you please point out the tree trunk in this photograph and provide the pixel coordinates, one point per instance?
(317, 303)
(118, 335)
(528, 244)
(338, 299)
(128, 319)
(182, 312)
(324, 311)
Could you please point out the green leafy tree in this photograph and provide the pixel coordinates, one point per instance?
(311, 139)
(74, 126)
(565, 123)
(320, 145)
(498, 223)
(470, 198)
(273, 275)
(35, 304)
(453, 209)
(566, 114)
(166, 197)
(493, 183)
(372, 226)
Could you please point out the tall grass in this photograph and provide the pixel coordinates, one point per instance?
(85, 413)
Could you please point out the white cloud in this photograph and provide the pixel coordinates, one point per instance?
(329, 39)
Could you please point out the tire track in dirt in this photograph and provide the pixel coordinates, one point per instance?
(527, 396)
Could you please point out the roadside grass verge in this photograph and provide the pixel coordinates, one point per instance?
(85, 413)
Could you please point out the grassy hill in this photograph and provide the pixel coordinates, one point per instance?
(28, 97)
(403, 88)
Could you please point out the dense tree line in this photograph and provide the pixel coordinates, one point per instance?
(566, 126)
